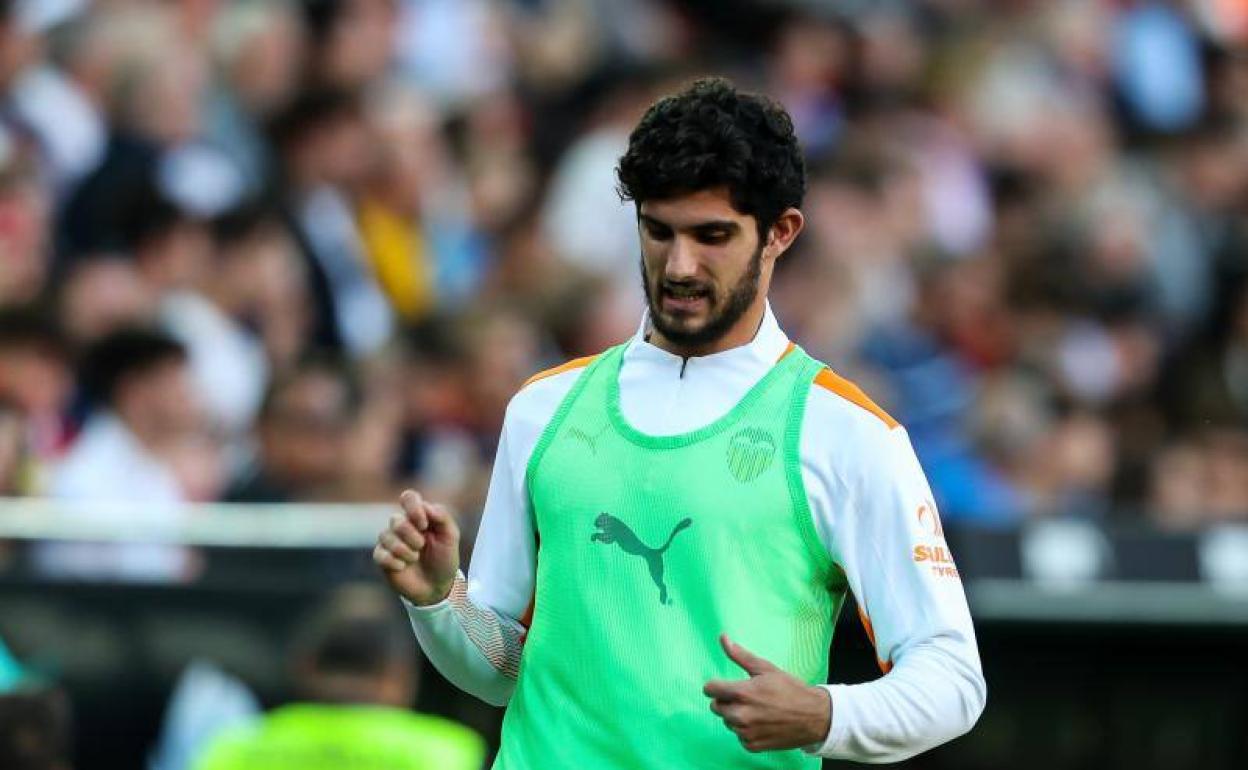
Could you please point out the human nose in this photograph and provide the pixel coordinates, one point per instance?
(682, 262)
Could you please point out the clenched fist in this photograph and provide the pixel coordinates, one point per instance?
(419, 551)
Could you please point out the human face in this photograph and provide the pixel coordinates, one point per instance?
(37, 380)
(303, 438)
(704, 270)
(362, 42)
(161, 401)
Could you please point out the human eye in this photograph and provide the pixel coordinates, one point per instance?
(656, 230)
(713, 236)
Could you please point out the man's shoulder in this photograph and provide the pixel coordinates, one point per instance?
(844, 424)
(540, 396)
(839, 397)
(574, 365)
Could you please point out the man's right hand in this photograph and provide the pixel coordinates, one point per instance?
(419, 551)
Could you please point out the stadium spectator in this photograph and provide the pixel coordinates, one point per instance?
(142, 442)
(584, 219)
(101, 294)
(170, 245)
(35, 377)
(156, 91)
(352, 41)
(304, 427)
(435, 444)
(1176, 494)
(20, 42)
(500, 344)
(411, 212)
(355, 673)
(323, 148)
(242, 310)
(1211, 384)
(1226, 475)
(259, 50)
(63, 99)
(25, 210)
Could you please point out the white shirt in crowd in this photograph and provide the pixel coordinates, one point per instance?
(107, 464)
(228, 363)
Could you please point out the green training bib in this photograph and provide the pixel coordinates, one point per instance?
(648, 548)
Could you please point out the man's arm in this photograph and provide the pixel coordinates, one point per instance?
(474, 636)
(876, 514)
(873, 512)
(474, 646)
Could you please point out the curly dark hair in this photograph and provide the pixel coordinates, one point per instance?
(712, 135)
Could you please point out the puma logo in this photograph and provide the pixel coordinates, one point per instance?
(612, 530)
(588, 439)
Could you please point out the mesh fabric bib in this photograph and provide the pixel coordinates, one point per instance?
(649, 548)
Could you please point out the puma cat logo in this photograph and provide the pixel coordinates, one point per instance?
(612, 530)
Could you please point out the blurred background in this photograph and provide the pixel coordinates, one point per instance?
(264, 263)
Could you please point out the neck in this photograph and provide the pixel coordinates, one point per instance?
(742, 332)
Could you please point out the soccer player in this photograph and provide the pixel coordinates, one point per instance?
(673, 525)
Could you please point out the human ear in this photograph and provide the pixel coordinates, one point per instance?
(784, 231)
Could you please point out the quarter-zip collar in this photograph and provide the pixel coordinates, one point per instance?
(757, 356)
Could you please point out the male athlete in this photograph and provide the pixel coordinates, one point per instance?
(673, 526)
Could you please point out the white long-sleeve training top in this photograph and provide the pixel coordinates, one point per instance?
(872, 508)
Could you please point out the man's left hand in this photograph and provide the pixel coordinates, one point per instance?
(771, 710)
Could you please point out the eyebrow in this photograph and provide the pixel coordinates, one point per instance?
(711, 224)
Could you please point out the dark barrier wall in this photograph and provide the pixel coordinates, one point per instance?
(1081, 692)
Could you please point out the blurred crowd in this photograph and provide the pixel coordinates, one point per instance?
(306, 250)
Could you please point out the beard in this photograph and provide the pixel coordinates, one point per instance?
(722, 312)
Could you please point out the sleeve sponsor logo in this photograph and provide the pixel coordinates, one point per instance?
(929, 520)
(937, 556)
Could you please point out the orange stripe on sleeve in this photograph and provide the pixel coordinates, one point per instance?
(885, 665)
(526, 619)
(830, 380)
(576, 363)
